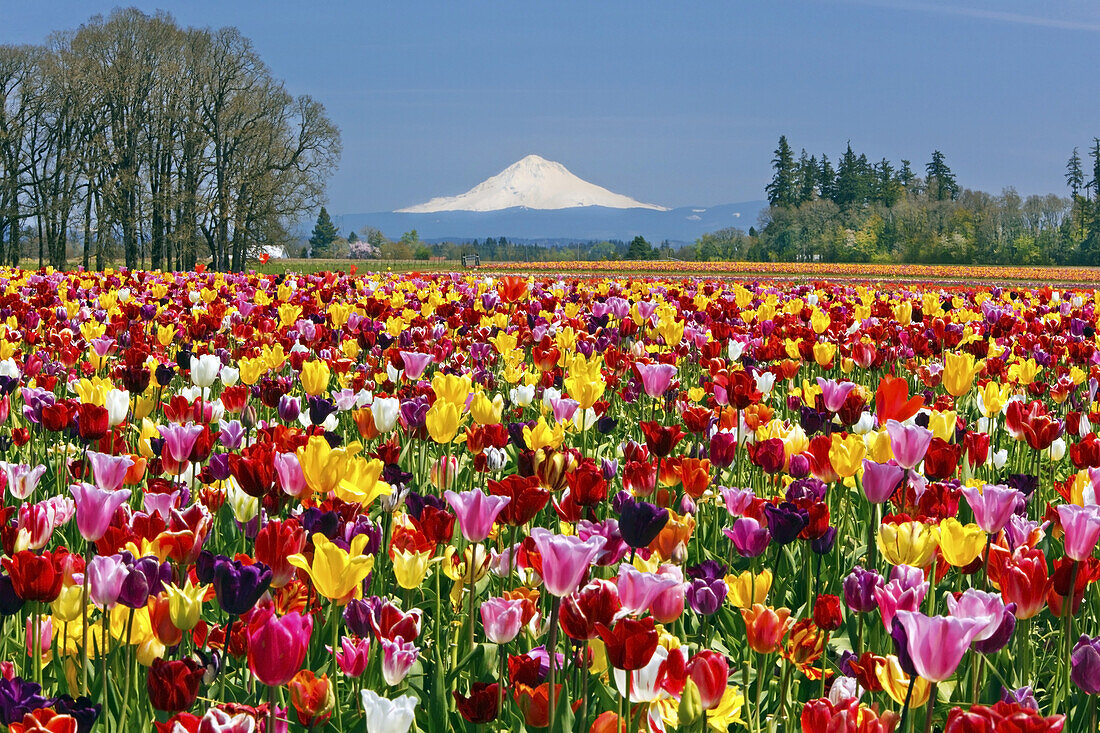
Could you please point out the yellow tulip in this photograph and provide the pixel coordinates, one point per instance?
(362, 484)
(324, 467)
(878, 446)
(486, 411)
(543, 436)
(961, 544)
(820, 321)
(67, 606)
(728, 711)
(337, 574)
(896, 683)
(959, 371)
(992, 398)
(908, 543)
(185, 604)
(315, 377)
(846, 454)
(443, 420)
(942, 424)
(410, 568)
(746, 590)
(166, 334)
(451, 388)
(824, 353)
(252, 370)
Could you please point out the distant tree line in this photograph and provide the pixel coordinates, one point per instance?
(859, 211)
(176, 144)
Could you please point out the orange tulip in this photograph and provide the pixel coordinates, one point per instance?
(765, 627)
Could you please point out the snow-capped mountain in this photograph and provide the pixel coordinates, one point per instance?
(531, 183)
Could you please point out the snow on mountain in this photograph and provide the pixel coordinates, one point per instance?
(532, 183)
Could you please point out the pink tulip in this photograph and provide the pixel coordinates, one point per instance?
(502, 619)
(880, 480)
(637, 590)
(992, 506)
(179, 440)
(95, 508)
(109, 471)
(22, 480)
(834, 393)
(45, 634)
(908, 442)
(1081, 525)
(937, 643)
(565, 559)
(985, 609)
(398, 657)
(476, 512)
(289, 472)
(353, 656)
(415, 363)
(277, 645)
(668, 604)
(895, 597)
(656, 378)
(106, 573)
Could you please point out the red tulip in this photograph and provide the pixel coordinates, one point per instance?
(173, 686)
(526, 495)
(481, 705)
(277, 541)
(277, 645)
(710, 671)
(595, 603)
(631, 643)
(892, 401)
(37, 577)
(661, 439)
(312, 697)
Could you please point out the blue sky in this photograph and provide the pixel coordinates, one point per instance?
(675, 103)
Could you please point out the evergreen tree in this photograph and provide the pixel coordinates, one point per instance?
(906, 175)
(850, 180)
(1075, 176)
(639, 249)
(886, 184)
(353, 238)
(781, 190)
(324, 234)
(1094, 184)
(940, 180)
(826, 179)
(807, 178)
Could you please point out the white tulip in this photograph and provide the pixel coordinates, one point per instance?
(204, 369)
(230, 375)
(388, 716)
(385, 411)
(522, 394)
(118, 406)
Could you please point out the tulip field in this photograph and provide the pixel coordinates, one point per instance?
(472, 502)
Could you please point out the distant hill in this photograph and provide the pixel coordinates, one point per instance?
(585, 223)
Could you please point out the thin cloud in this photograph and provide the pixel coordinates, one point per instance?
(982, 14)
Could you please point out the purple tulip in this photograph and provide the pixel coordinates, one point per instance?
(640, 522)
(880, 480)
(656, 378)
(565, 559)
(859, 589)
(993, 505)
(785, 521)
(748, 537)
(1085, 664)
(706, 595)
(238, 587)
(909, 443)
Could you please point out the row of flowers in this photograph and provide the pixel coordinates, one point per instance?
(270, 503)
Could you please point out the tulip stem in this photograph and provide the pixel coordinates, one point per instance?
(84, 621)
(905, 705)
(335, 611)
(931, 708)
(551, 647)
(271, 707)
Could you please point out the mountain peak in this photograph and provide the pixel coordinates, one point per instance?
(532, 182)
